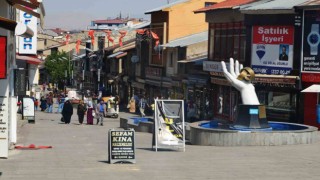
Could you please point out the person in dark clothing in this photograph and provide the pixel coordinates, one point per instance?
(67, 111)
(43, 103)
(81, 111)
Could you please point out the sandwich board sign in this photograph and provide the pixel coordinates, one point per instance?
(121, 146)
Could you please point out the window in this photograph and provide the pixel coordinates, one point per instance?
(227, 40)
(171, 59)
(182, 53)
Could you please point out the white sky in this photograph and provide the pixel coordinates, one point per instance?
(77, 14)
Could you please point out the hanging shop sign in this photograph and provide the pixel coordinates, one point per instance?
(121, 146)
(28, 45)
(272, 49)
(311, 40)
(3, 57)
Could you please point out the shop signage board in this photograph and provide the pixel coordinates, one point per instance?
(311, 40)
(4, 146)
(28, 109)
(121, 146)
(3, 57)
(28, 45)
(310, 77)
(169, 130)
(20, 82)
(272, 49)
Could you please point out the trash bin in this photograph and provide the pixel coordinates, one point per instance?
(318, 113)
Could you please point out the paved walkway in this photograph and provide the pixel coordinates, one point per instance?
(80, 152)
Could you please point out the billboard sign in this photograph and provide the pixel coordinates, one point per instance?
(311, 40)
(272, 49)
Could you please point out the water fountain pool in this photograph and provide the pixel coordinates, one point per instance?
(215, 133)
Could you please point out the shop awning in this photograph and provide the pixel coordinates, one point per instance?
(7, 24)
(117, 55)
(312, 89)
(195, 60)
(188, 40)
(28, 7)
(29, 59)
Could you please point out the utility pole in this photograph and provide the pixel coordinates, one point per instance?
(100, 57)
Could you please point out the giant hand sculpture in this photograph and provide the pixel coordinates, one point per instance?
(240, 79)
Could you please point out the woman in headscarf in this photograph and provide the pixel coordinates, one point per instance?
(81, 110)
(90, 113)
(67, 111)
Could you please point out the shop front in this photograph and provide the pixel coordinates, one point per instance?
(280, 95)
(310, 63)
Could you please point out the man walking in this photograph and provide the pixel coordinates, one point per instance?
(142, 106)
(101, 112)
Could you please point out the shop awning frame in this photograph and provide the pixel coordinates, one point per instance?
(315, 88)
(29, 59)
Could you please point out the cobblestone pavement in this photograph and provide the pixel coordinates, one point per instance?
(80, 152)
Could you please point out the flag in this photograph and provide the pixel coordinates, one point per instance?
(155, 37)
(67, 39)
(122, 35)
(91, 34)
(110, 39)
(78, 46)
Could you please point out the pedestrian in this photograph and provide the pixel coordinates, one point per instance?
(61, 100)
(142, 106)
(43, 104)
(49, 103)
(36, 104)
(90, 112)
(101, 112)
(132, 105)
(81, 110)
(67, 111)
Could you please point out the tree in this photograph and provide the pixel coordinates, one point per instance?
(56, 65)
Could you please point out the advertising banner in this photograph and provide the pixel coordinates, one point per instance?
(311, 40)
(272, 49)
(121, 146)
(28, 109)
(169, 124)
(28, 45)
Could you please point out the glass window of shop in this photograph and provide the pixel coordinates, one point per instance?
(227, 40)
(280, 105)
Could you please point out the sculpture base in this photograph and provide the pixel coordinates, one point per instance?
(251, 117)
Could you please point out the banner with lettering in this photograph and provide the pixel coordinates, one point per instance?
(272, 49)
(311, 40)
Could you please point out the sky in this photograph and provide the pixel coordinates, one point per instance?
(77, 14)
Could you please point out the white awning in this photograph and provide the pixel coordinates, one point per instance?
(312, 89)
(196, 59)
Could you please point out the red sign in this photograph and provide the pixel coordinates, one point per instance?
(311, 77)
(3, 57)
(273, 34)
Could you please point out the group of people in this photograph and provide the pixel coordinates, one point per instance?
(142, 104)
(85, 109)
